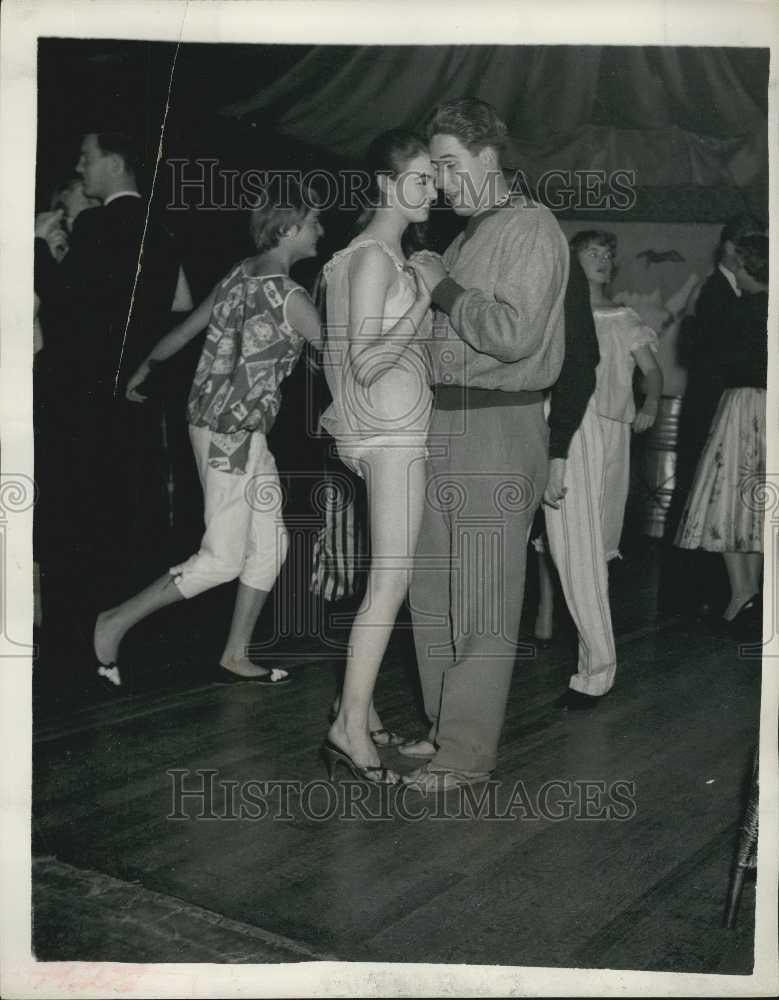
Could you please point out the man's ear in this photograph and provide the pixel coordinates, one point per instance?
(488, 157)
(290, 231)
(116, 164)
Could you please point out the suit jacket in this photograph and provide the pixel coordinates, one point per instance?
(100, 313)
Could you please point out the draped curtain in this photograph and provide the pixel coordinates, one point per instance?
(677, 116)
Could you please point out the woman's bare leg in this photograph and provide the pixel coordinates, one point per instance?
(744, 576)
(248, 605)
(112, 625)
(374, 720)
(396, 484)
(754, 562)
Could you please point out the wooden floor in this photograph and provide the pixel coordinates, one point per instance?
(644, 892)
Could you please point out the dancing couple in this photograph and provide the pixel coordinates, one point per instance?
(478, 436)
(437, 368)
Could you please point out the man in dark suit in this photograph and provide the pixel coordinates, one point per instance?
(103, 306)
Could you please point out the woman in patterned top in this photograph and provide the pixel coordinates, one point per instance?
(258, 320)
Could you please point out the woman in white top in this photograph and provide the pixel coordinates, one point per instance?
(625, 343)
(378, 316)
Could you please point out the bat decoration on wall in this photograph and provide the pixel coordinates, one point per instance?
(660, 256)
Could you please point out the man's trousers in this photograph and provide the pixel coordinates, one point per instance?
(487, 472)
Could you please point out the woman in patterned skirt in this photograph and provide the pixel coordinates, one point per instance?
(724, 510)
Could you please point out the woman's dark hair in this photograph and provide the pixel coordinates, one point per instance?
(472, 122)
(593, 237)
(752, 252)
(282, 205)
(387, 156)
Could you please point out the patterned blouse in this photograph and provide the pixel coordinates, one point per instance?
(250, 349)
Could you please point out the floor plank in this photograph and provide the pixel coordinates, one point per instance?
(368, 881)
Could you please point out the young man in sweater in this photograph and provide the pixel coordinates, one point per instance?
(498, 344)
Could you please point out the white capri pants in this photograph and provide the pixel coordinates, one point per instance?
(245, 535)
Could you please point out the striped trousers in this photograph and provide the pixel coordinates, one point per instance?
(575, 534)
(341, 552)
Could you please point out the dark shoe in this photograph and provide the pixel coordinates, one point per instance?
(276, 677)
(748, 621)
(370, 775)
(540, 642)
(575, 701)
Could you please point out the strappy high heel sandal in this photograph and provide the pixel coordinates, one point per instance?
(381, 738)
(370, 775)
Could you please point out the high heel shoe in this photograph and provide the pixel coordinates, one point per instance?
(381, 738)
(371, 775)
(747, 620)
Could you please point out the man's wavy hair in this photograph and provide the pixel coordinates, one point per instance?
(125, 146)
(472, 122)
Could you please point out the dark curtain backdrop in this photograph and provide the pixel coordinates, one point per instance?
(677, 116)
(691, 122)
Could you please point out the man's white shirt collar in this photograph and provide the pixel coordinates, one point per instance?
(121, 194)
(731, 279)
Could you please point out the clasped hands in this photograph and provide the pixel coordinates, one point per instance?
(428, 269)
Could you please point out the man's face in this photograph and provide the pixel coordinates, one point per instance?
(462, 176)
(94, 168)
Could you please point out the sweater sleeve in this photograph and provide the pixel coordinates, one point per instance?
(510, 324)
(576, 383)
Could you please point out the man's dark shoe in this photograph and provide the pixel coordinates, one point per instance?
(575, 701)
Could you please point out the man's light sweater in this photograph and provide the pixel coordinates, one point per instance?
(502, 325)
